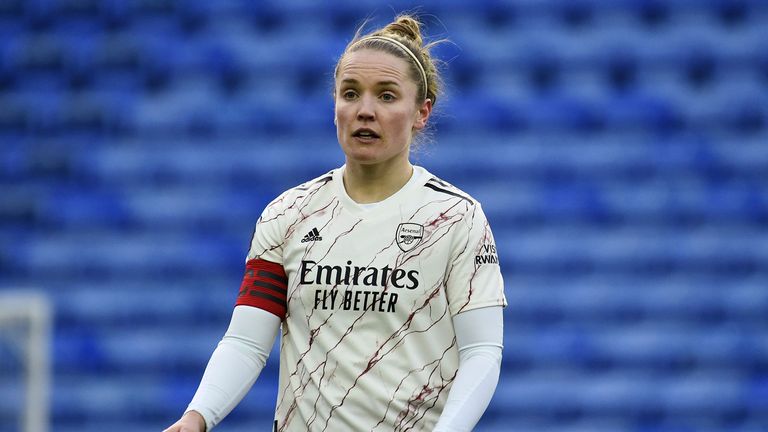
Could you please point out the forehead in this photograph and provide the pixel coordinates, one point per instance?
(373, 65)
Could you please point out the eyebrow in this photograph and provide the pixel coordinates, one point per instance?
(380, 83)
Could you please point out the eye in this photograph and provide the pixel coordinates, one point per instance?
(348, 94)
(387, 97)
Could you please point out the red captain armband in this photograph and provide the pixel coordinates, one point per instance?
(264, 286)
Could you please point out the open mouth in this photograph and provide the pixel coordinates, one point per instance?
(365, 133)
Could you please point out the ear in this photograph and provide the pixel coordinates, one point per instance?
(335, 116)
(422, 115)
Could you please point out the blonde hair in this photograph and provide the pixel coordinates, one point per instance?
(403, 33)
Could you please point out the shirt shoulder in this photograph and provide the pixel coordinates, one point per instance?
(438, 187)
(297, 196)
(280, 217)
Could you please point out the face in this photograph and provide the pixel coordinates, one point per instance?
(376, 113)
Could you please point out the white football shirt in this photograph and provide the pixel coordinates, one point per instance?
(367, 336)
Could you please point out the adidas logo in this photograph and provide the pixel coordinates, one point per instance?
(313, 235)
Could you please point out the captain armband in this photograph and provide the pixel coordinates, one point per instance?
(264, 286)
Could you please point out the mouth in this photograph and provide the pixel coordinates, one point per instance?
(365, 134)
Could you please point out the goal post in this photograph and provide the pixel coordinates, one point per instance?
(25, 325)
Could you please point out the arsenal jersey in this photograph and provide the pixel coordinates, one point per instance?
(367, 299)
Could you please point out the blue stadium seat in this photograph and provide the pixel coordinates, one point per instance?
(13, 117)
(75, 207)
(10, 402)
(166, 255)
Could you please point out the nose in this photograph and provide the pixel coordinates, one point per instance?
(366, 110)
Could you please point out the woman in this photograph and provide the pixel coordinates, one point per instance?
(384, 278)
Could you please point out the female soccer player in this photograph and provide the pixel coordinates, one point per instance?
(383, 278)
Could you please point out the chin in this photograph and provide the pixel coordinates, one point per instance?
(362, 160)
(361, 156)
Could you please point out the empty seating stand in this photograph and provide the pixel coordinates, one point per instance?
(619, 148)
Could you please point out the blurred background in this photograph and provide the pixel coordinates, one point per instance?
(619, 148)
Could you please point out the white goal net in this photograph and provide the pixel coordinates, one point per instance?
(25, 366)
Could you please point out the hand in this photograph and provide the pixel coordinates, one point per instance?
(191, 421)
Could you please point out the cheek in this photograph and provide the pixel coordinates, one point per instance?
(404, 122)
(340, 114)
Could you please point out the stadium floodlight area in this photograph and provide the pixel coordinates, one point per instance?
(25, 340)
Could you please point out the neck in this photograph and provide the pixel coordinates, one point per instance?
(373, 183)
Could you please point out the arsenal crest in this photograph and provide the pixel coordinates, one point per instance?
(409, 235)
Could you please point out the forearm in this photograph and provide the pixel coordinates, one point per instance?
(479, 336)
(471, 391)
(235, 364)
(227, 378)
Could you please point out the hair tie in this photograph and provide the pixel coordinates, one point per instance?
(404, 48)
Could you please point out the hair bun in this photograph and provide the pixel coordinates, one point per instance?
(407, 27)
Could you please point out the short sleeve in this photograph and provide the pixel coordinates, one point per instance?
(268, 236)
(473, 277)
(264, 283)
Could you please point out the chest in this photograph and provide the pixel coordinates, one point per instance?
(337, 262)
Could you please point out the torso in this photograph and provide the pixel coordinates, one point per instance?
(367, 341)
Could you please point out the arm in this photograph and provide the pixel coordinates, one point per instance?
(479, 335)
(241, 354)
(233, 367)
